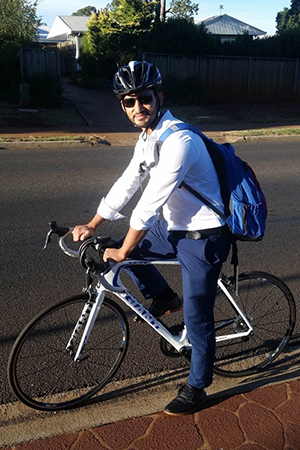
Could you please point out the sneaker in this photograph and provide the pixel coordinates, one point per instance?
(188, 401)
(159, 308)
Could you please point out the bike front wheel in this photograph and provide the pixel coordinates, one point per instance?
(270, 308)
(44, 375)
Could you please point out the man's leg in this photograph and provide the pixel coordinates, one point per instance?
(148, 279)
(201, 262)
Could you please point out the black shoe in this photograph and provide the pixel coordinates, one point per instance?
(187, 401)
(158, 308)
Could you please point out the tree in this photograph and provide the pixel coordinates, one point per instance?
(18, 27)
(113, 33)
(289, 18)
(166, 37)
(18, 21)
(180, 9)
(86, 11)
(183, 9)
(136, 15)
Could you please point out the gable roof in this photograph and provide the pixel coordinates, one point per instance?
(225, 25)
(76, 23)
(64, 26)
(42, 31)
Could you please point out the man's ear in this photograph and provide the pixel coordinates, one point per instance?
(160, 97)
(123, 107)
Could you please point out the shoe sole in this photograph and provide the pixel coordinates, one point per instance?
(186, 413)
(166, 313)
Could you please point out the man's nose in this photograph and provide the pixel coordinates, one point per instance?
(138, 105)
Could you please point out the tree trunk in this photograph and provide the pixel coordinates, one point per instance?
(162, 10)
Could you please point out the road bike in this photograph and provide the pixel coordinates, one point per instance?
(72, 349)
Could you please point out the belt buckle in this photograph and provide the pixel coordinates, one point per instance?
(196, 235)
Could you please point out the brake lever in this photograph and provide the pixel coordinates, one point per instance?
(60, 231)
(48, 239)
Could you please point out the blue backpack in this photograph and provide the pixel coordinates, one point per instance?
(244, 202)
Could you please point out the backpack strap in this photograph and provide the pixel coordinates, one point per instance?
(203, 200)
(189, 127)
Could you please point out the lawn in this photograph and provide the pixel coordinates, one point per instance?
(16, 116)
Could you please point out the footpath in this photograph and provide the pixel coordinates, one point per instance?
(106, 124)
(261, 412)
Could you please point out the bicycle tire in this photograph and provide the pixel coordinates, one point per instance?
(44, 376)
(270, 307)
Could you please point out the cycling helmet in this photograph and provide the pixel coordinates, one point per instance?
(136, 76)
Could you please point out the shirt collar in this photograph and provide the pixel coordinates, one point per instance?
(166, 120)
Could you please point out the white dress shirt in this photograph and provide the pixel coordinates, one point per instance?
(183, 156)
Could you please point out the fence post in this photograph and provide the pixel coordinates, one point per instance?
(249, 83)
(296, 83)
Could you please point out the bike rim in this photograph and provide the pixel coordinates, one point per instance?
(270, 307)
(44, 375)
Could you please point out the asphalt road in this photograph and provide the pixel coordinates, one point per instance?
(38, 186)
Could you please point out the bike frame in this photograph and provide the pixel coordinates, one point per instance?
(111, 282)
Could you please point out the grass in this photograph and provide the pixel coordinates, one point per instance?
(269, 132)
(45, 139)
(66, 115)
(283, 113)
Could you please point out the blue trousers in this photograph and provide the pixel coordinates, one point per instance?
(201, 262)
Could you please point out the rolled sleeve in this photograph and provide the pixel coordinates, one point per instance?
(107, 212)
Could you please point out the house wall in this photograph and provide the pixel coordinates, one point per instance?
(235, 78)
(59, 28)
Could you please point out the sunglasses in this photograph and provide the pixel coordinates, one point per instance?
(142, 99)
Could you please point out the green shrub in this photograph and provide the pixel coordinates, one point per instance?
(45, 90)
(184, 91)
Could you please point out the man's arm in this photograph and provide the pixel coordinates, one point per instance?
(82, 232)
(131, 241)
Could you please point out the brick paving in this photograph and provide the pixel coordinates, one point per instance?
(266, 418)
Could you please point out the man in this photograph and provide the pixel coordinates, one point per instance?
(190, 230)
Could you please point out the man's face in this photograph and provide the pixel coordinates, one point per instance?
(141, 108)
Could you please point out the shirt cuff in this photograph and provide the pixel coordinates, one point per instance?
(107, 212)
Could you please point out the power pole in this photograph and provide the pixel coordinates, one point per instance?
(162, 15)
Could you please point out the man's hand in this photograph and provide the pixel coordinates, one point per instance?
(132, 239)
(82, 232)
(114, 254)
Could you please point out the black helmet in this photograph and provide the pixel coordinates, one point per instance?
(135, 77)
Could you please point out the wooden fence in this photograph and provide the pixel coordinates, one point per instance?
(39, 60)
(68, 60)
(235, 78)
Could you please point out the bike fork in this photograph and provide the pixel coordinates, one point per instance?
(87, 319)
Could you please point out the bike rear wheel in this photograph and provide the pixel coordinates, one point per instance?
(270, 308)
(43, 374)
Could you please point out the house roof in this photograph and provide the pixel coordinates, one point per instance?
(225, 25)
(64, 26)
(42, 31)
(76, 23)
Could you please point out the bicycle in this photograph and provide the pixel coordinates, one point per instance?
(71, 350)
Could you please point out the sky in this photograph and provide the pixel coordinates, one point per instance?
(258, 13)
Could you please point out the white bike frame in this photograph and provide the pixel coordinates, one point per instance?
(110, 282)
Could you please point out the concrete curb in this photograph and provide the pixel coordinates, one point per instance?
(130, 399)
(119, 140)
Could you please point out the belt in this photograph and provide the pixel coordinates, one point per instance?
(199, 234)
